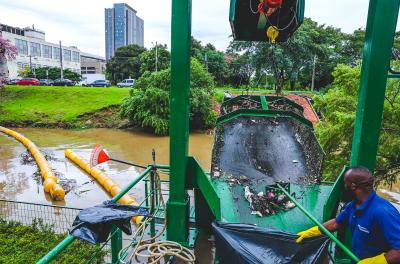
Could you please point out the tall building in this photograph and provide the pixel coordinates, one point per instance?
(34, 51)
(122, 27)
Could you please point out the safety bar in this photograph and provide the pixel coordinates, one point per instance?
(321, 227)
(52, 254)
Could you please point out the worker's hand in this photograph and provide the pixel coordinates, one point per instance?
(380, 259)
(312, 232)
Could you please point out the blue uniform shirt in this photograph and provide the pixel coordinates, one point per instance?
(375, 226)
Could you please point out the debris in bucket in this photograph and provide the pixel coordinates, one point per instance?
(263, 204)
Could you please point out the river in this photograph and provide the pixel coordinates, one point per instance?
(18, 182)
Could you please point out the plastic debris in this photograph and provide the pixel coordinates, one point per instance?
(263, 204)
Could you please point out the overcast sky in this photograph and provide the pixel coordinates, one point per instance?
(81, 23)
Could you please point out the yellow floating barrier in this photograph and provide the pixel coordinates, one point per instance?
(50, 184)
(106, 182)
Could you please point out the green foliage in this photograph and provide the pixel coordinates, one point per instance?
(219, 95)
(292, 61)
(212, 59)
(125, 63)
(27, 244)
(335, 132)
(54, 73)
(148, 59)
(241, 68)
(148, 106)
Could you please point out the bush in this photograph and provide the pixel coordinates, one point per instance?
(27, 244)
(335, 131)
(148, 106)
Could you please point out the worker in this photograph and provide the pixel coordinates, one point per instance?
(374, 222)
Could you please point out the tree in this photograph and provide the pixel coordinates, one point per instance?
(335, 131)
(240, 69)
(49, 72)
(148, 59)
(148, 106)
(292, 61)
(213, 60)
(7, 52)
(125, 63)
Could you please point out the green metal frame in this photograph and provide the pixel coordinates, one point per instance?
(178, 203)
(381, 26)
(52, 254)
(266, 113)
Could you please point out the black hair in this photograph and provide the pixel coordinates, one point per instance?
(361, 176)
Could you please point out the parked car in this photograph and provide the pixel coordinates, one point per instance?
(126, 83)
(46, 82)
(28, 81)
(13, 81)
(63, 82)
(100, 83)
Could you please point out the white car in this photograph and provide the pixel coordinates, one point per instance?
(126, 83)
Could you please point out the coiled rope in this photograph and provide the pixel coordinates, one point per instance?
(147, 248)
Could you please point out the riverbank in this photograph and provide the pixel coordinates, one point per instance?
(61, 107)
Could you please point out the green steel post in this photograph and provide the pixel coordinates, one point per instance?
(321, 227)
(264, 103)
(178, 203)
(153, 192)
(381, 26)
(52, 254)
(116, 244)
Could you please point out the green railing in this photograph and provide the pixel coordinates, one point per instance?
(116, 238)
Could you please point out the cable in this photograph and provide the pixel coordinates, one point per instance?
(252, 11)
(154, 251)
(291, 21)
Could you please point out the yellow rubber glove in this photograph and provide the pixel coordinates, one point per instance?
(380, 259)
(312, 232)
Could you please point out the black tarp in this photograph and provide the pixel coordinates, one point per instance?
(94, 224)
(243, 243)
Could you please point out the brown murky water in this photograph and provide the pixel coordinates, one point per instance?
(17, 180)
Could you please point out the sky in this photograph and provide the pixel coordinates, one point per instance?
(81, 22)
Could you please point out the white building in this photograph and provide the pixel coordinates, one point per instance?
(34, 51)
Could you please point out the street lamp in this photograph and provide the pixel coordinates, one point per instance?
(156, 46)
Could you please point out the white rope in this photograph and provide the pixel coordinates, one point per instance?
(155, 251)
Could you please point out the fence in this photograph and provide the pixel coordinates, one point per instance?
(59, 217)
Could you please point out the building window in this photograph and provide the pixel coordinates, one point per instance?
(67, 55)
(47, 51)
(56, 52)
(35, 49)
(22, 46)
(75, 56)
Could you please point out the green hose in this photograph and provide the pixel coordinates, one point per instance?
(321, 227)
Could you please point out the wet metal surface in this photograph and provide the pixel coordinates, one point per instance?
(264, 149)
(19, 179)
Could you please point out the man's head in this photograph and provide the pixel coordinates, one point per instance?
(358, 182)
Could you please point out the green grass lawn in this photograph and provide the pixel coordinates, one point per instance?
(50, 104)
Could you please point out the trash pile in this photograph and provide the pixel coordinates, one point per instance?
(244, 103)
(264, 204)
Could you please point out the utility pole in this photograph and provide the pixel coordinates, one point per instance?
(313, 74)
(30, 63)
(206, 60)
(61, 62)
(156, 57)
